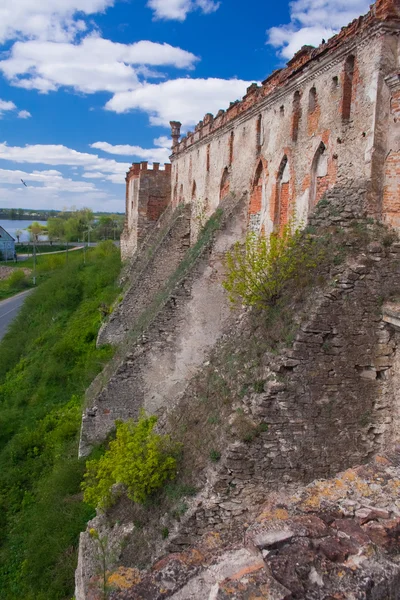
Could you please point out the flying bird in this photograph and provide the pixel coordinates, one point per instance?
(24, 183)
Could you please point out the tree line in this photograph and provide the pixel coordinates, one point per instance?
(77, 226)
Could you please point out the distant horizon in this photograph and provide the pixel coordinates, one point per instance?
(54, 210)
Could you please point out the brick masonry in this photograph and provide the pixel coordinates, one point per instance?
(331, 116)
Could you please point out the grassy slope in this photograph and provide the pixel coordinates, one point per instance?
(46, 361)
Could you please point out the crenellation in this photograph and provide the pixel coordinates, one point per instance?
(148, 193)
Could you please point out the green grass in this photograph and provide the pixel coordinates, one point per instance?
(7, 290)
(45, 267)
(47, 359)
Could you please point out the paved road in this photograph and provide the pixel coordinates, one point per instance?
(9, 309)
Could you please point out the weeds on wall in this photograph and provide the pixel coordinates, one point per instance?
(139, 459)
(259, 269)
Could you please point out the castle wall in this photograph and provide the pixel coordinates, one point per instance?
(324, 120)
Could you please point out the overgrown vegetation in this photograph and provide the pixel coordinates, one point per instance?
(16, 282)
(259, 269)
(139, 459)
(47, 359)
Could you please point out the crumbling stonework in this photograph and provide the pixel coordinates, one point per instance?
(336, 538)
(155, 367)
(160, 257)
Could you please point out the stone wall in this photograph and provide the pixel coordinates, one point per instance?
(329, 402)
(156, 367)
(328, 118)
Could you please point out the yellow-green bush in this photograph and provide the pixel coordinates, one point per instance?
(259, 269)
(17, 280)
(138, 458)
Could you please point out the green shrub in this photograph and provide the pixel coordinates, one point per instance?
(17, 280)
(259, 270)
(138, 458)
(215, 455)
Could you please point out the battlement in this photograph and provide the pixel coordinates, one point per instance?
(380, 12)
(148, 193)
(138, 169)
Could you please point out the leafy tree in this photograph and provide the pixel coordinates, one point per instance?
(138, 458)
(56, 229)
(35, 230)
(18, 233)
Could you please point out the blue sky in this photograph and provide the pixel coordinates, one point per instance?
(88, 86)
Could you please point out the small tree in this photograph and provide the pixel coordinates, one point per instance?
(259, 269)
(35, 230)
(18, 233)
(138, 458)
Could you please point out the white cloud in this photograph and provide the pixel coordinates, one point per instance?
(47, 180)
(313, 20)
(24, 114)
(46, 19)
(163, 142)
(93, 175)
(151, 154)
(93, 65)
(46, 197)
(179, 9)
(62, 155)
(185, 100)
(6, 105)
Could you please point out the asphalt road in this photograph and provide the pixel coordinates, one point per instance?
(9, 309)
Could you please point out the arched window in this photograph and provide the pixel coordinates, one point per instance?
(312, 100)
(225, 184)
(282, 195)
(348, 87)
(257, 197)
(296, 116)
(194, 189)
(319, 179)
(208, 158)
(258, 134)
(231, 138)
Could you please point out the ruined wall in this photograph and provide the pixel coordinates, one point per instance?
(323, 120)
(329, 401)
(156, 368)
(158, 258)
(148, 193)
(391, 195)
(330, 539)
